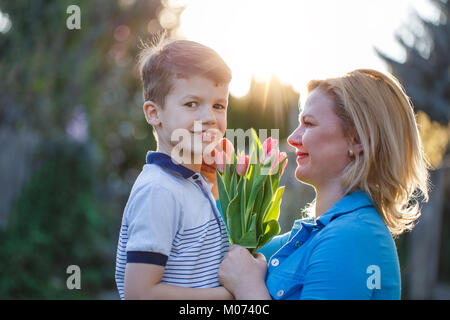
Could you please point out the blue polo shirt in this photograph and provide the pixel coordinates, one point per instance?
(348, 253)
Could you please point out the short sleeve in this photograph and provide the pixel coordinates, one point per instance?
(153, 221)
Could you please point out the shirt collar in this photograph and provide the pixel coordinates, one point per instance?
(353, 201)
(165, 161)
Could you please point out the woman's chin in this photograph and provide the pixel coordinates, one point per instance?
(301, 175)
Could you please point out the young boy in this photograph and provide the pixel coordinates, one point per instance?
(173, 238)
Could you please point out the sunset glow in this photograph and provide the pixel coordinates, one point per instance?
(298, 40)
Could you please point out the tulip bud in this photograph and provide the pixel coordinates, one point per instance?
(242, 164)
(227, 147)
(268, 145)
(272, 157)
(283, 155)
(220, 158)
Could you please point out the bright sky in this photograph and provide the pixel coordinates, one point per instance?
(298, 40)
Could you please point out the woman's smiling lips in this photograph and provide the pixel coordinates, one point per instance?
(301, 156)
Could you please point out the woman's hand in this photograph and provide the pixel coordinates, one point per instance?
(244, 275)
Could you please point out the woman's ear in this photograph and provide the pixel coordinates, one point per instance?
(357, 145)
(151, 111)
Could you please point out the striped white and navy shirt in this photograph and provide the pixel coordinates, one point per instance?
(171, 220)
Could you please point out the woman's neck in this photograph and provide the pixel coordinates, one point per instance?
(326, 197)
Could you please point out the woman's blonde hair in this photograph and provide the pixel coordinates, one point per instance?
(392, 169)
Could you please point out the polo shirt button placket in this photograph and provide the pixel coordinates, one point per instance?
(298, 244)
(280, 293)
(275, 262)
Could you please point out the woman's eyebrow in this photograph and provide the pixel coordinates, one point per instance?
(305, 115)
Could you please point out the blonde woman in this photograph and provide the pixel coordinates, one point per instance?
(358, 145)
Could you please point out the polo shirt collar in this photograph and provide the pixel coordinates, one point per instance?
(353, 201)
(165, 161)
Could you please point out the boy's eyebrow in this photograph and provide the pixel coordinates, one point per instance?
(193, 97)
(224, 101)
(190, 96)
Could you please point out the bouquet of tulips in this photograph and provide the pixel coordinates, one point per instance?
(248, 189)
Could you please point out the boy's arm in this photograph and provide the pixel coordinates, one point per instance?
(142, 281)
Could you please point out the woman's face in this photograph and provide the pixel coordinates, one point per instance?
(321, 147)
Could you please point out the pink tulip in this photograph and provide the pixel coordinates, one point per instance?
(220, 159)
(274, 158)
(283, 155)
(268, 145)
(242, 164)
(226, 146)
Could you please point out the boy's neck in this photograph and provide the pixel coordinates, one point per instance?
(190, 163)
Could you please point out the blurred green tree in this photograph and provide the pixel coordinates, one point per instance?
(426, 71)
(77, 93)
(56, 223)
(425, 74)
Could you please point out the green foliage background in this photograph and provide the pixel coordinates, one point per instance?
(69, 210)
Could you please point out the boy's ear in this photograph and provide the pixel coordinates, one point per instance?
(151, 111)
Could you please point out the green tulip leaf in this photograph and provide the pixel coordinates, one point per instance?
(249, 239)
(274, 210)
(267, 199)
(272, 228)
(223, 194)
(234, 219)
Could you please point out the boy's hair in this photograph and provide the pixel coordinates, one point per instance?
(159, 64)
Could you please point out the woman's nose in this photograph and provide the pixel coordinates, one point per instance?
(295, 139)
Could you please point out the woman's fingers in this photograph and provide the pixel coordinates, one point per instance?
(260, 257)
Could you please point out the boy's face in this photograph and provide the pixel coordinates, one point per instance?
(194, 115)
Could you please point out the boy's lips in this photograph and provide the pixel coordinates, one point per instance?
(207, 136)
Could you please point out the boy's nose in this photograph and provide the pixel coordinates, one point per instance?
(207, 115)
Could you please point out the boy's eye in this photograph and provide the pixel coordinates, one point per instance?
(219, 106)
(191, 104)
